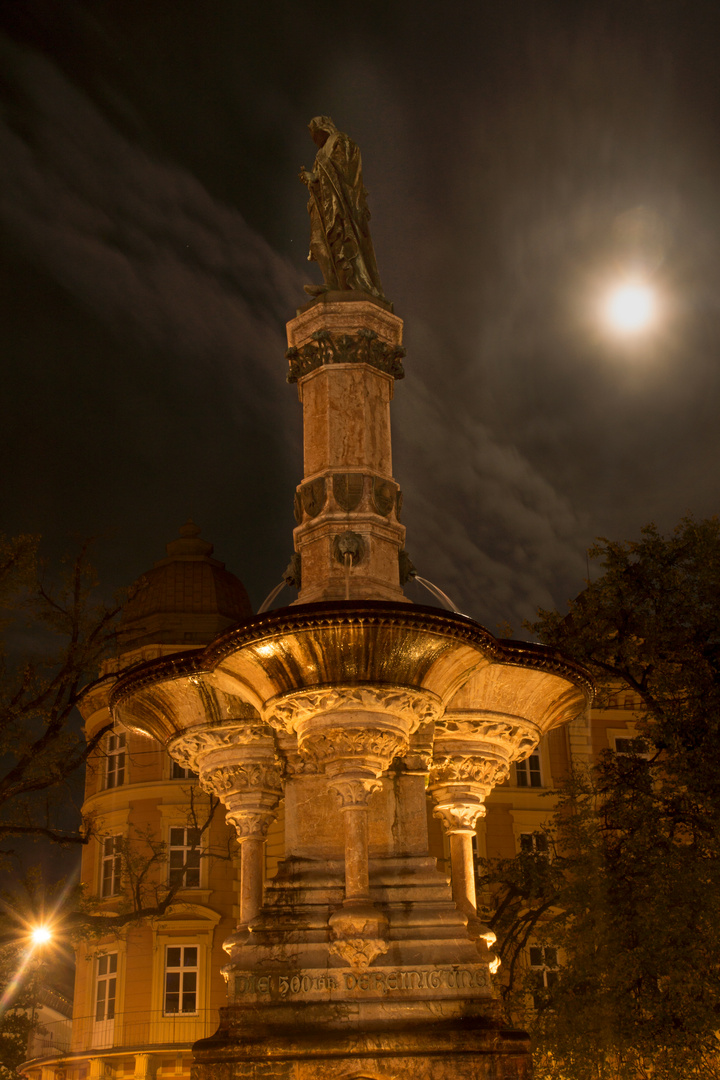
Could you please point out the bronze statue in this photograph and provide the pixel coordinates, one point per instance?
(339, 234)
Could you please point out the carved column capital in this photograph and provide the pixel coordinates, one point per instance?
(238, 762)
(459, 786)
(250, 792)
(353, 792)
(485, 732)
(349, 749)
(459, 817)
(408, 705)
(193, 746)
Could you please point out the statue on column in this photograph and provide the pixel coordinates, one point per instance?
(340, 240)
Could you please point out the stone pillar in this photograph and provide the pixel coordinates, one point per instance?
(145, 1066)
(252, 875)
(239, 764)
(353, 733)
(463, 869)
(459, 786)
(345, 354)
(359, 928)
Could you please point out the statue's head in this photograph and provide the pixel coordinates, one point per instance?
(321, 127)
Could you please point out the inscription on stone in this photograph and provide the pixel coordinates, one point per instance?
(378, 982)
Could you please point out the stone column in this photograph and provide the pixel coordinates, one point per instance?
(353, 733)
(472, 753)
(240, 765)
(145, 1066)
(359, 928)
(463, 870)
(345, 354)
(252, 875)
(459, 786)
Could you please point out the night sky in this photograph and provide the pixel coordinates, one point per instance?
(520, 157)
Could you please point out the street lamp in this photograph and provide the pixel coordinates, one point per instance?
(40, 935)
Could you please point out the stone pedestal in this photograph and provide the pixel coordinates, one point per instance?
(301, 1007)
(345, 354)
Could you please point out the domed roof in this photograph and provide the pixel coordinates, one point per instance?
(185, 599)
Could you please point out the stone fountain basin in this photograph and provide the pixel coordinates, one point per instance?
(242, 675)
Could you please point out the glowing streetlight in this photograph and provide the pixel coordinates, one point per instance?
(631, 307)
(40, 935)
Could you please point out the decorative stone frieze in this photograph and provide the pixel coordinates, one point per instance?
(363, 347)
(192, 746)
(413, 706)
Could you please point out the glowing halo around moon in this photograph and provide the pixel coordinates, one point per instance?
(630, 308)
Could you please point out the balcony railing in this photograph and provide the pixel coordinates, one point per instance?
(129, 1029)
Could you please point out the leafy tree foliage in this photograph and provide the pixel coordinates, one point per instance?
(629, 892)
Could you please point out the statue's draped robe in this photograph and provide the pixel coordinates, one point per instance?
(339, 234)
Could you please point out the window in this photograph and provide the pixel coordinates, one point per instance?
(115, 761)
(528, 772)
(111, 866)
(543, 961)
(105, 987)
(533, 843)
(631, 746)
(184, 863)
(177, 772)
(181, 976)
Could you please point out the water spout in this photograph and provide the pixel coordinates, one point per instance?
(347, 559)
(444, 599)
(271, 596)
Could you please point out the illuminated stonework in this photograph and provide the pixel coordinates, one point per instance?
(351, 705)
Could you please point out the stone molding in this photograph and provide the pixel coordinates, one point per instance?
(362, 347)
(486, 772)
(413, 706)
(362, 612)
(517, 736)
(196, 743)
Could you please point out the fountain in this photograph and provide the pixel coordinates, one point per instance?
(358, 959)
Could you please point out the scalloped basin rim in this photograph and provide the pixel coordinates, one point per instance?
(283, 621)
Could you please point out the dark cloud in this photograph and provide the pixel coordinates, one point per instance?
(518, 158)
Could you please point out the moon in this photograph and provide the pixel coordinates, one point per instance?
(630, 308)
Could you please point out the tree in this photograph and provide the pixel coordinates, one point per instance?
(54, 637)
(19, 988)
(630, 892)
